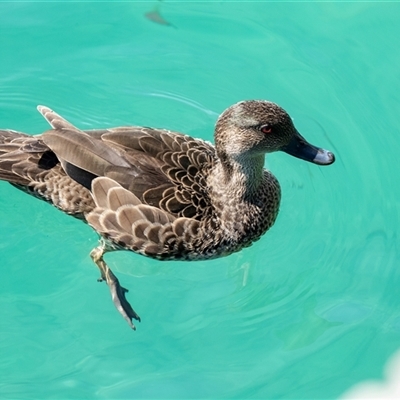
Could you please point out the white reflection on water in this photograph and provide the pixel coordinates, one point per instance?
(388, 388)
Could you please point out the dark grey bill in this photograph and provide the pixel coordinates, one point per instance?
(300, 148)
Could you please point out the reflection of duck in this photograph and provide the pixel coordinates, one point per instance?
(156, 192)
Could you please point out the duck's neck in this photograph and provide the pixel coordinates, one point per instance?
(241, 177)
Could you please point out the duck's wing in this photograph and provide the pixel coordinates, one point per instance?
(120, 216)
(161, 168)
(82, 157)
(169, 168)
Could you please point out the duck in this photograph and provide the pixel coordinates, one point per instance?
(157, 192)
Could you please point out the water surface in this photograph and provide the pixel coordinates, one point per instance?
(305, 313)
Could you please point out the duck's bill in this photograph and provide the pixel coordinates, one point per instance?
(300, 148)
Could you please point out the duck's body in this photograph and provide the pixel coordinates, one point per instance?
(156, 192)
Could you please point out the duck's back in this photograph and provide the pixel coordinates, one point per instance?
(163, 169)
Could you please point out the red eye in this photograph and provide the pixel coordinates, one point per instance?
(266, 129)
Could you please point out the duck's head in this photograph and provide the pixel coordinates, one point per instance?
(255, 127)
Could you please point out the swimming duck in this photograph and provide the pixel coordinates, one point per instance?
(156, 192)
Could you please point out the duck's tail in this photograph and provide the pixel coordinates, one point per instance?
(10, 144)
(20, 156)
(28, 164)
(6, 138)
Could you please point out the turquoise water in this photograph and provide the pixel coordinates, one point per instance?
(309, 310)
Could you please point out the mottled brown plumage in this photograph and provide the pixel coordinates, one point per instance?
(160, 193)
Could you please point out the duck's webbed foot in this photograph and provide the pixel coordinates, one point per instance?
(117, 291)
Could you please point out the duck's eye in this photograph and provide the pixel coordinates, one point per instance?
(266, 128)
